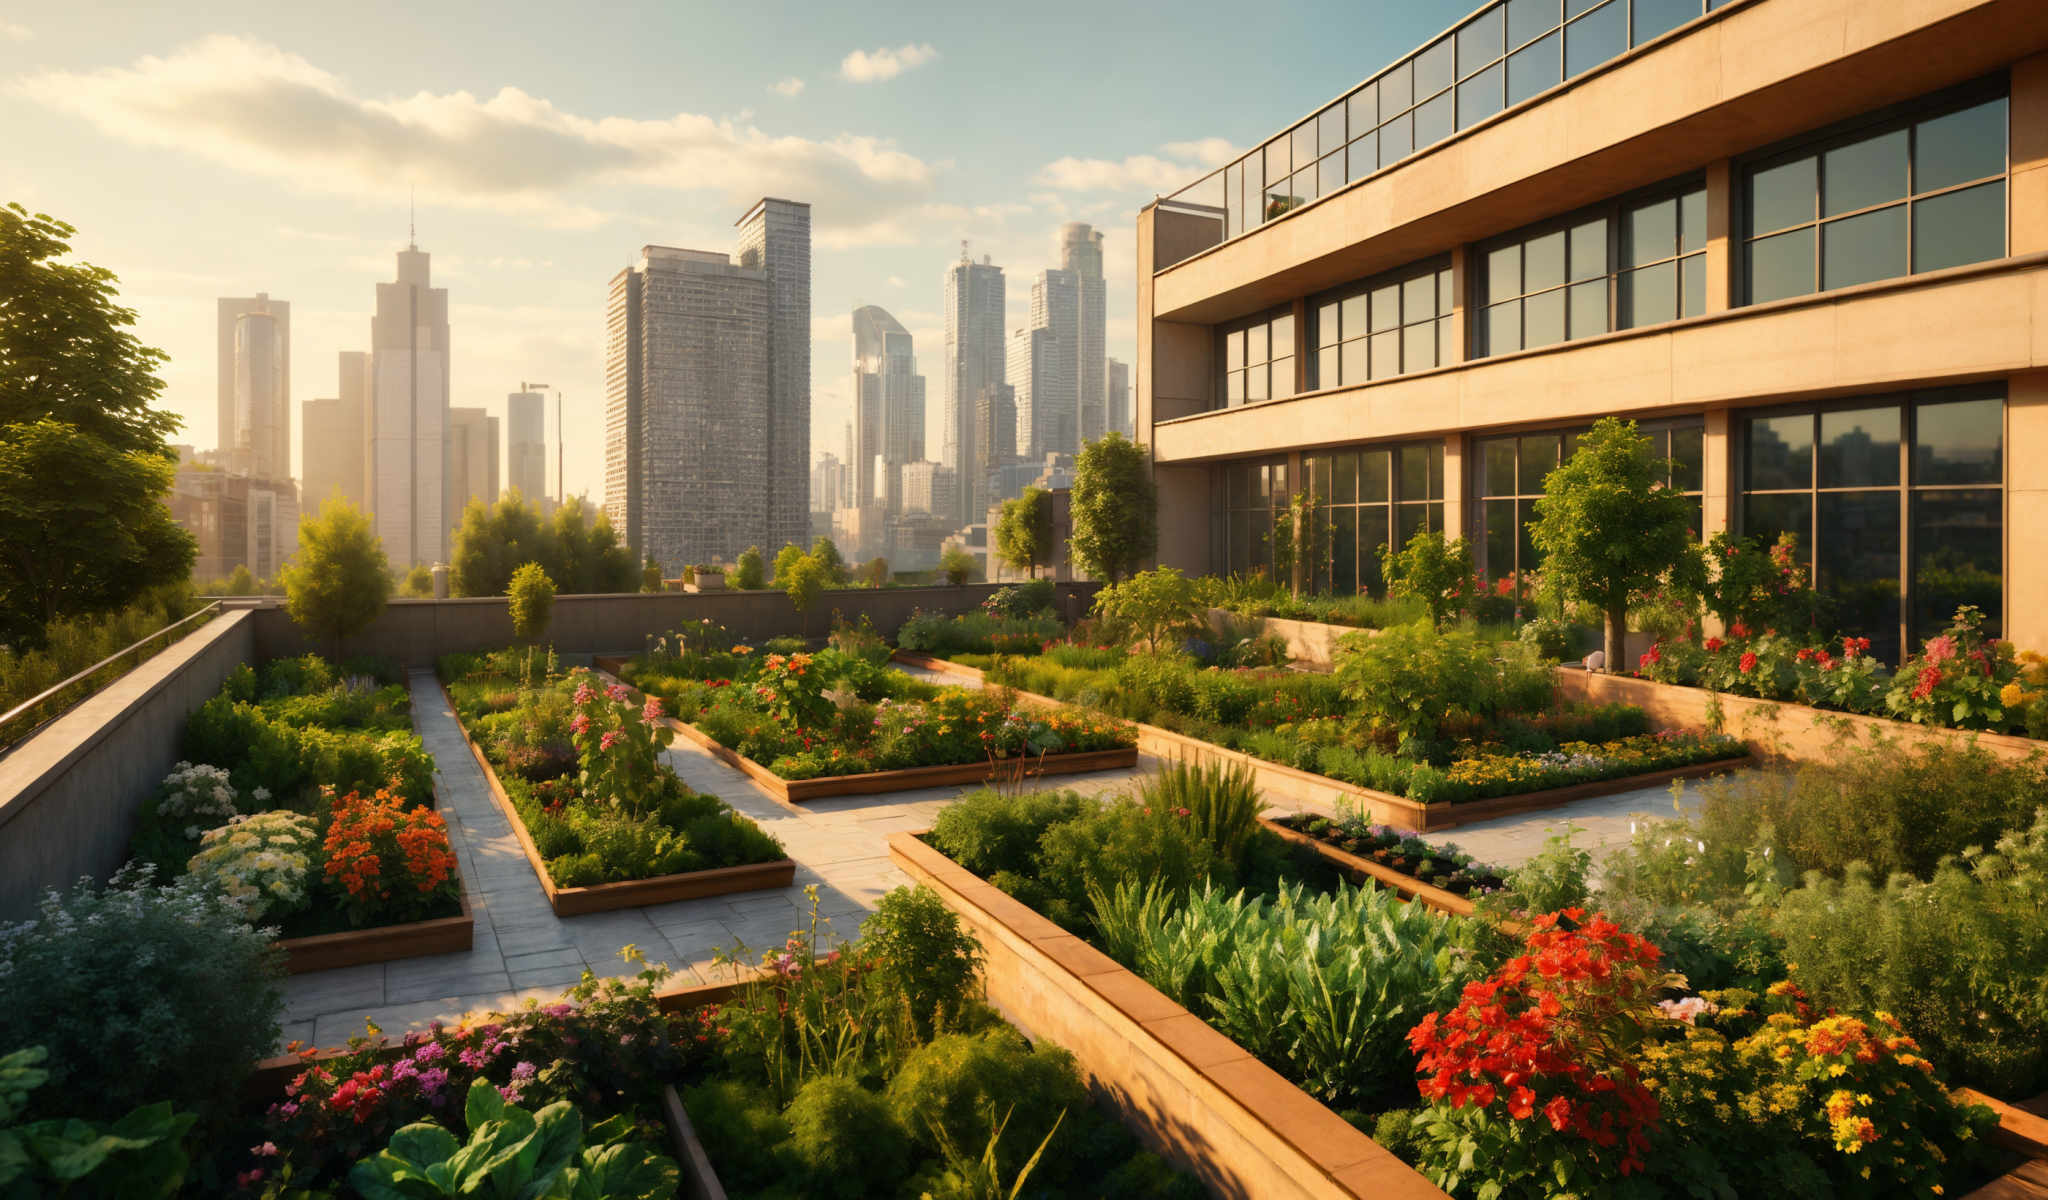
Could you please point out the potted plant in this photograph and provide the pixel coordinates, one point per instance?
(702, 578)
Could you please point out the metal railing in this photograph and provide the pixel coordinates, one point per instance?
(1509, 53)
(27, 709)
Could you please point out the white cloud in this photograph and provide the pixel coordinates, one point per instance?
(864, 66)
(259, 109)
(791, 87)
(1177, 164)
(11, 32)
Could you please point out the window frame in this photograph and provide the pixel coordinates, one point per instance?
(1223, 370)
(1436, 267)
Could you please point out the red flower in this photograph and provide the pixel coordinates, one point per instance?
(1738, 630)
(1929, 677)
(1713, 644)
(1747, 662)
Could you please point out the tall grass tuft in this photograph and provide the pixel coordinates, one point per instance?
(1222, 802)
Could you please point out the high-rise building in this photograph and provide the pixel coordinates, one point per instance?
(928, 487)
(1081, 255)
(260, 442)
(333, 451)
(228, 312)
(1117, 414)
(890, 405)
(1048, 401)
(775, 238)
(975, 358)
(995, 437)
(354, 368)
(237, 519)
(472, 459)
(526, 445)
(828, 483)
(688, 408)
(408, 415)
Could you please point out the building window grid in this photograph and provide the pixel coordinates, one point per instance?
(1817, 148)
(1501, 514)
(1258, 359)
(1505, 56)
(1384, 326)
(1584, 302)
(1907, 627)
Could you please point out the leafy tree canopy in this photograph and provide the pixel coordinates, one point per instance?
(1116, 508)
(533, 600)
(495, 539)
(1023, 535)
(746, 573)
(337, 583)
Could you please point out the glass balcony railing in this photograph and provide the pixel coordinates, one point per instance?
(1505, 55)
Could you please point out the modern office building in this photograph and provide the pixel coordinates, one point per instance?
(688, 409)
(238, 520)
(333, 433)
(775, 238)
(526, 445)
(828, 483)
(275, 401)
(1117, 406)
(1045, 366)
(930, 488)
(976, 351)
(1081, 256)
(472, 460)
(889, 406)
(1804, 243)
(259, 442)
(405, 468)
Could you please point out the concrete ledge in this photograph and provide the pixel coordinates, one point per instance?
(1189, 1093)
(69, 794)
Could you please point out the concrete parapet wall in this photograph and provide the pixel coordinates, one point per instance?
(69, 795)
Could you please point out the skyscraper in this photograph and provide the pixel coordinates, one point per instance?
(974, 359)
(408, 414)
(995, 428)
(890, 407)
(775, 238)
(688, 408)
(1117, 416)
(1047, 400)
(828, 483)
(333, 432)
(259, 443)
(229, 310)
(472, 459)
(526, 445)
(1081, 255)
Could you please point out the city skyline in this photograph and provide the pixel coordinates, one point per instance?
(531, 173)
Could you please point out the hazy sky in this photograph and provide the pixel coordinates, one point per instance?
(208, 150)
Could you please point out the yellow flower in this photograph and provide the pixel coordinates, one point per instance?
(2012, 695)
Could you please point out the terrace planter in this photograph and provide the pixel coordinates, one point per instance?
(384, 943)
(635, 893)
(1794, 731)
(1407, 886)
(1191, 1094)
(1311, 643)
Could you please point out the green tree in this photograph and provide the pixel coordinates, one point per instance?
(240, 582)
(746, 573)
(875, 572)
(586, 555)
(1430, 570)
(419, 583)
(1156, 607)
(786, 559)
(337, 583)
(1024, 532)
(957, 565)
(803, 580)
(1116, 508)
(532, 600)
(826, 551)
(650, 575)
(1609, 526)
(491, 543)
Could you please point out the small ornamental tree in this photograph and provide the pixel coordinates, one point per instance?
(746, 574)
(1609, 526)
(803, 579)
(1023, 535)
(876, 572)
(533, 599)
(957, 565)
(1155, 606)
(419, 584)
(785, 561)
(1435, 572)
(1116, 508)
(650, 575)
(338, 582)
(826, 551)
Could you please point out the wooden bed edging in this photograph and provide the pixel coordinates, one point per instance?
(1790, 730)
(699, 1180)
(1408, 886)
(1322, 793)
(383, 943)
(633, 893)
(1190, 1093)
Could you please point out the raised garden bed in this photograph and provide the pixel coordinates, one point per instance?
(1359, 869)
(605, 897)
(1195, 1096)
(383, 943)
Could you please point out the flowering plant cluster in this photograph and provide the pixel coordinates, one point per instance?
(1959, 678)
(1534, 1072)
(620, 745)
(1486, 772)
(392, 863)
(259, 863)
(791, 691)
(199, 795)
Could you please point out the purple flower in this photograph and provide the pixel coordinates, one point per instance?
(559, 1010)
(524, 1070)
(288, 1109)
(431, 1083)
(473, 1059)
(430, 1052)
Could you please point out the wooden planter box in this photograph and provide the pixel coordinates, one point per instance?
(636, 893)
(1322, 793)
(1782, 728)
(1408, 886)
(385, 943)
(1191, 1094)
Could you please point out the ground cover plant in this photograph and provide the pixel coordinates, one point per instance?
(842, 711)
(306, 801)
(1440, 865)
(581, 764)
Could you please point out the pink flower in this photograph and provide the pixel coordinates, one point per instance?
(1738, 630)
(1941, 649)
(249, 1178)
(612, 737)
(583, 694)
(618, 692)
(579, 724)
(651, 711)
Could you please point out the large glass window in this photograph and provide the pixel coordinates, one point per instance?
(1908, 192)
(1383, 326)
(1897, 503)
(1247, 495)
(1258, 359)
(1630, 262)
(1371, 497)
(1507, 475)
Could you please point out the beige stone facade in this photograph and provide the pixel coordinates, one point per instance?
(1803, 242)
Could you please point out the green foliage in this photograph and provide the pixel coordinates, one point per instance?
(515, 1153)
(1608, 527)
(875, 572)
(1759, 586)
(68, 645)
(919, 950)
(1023, 535)
(1221, 801)
(336, 585)
(957, 565)
(975, 633)
(1115, 507)
(418, 584)
(533, 598)
(141, 994)
(826, 551)
(1956, 679)
(747, 572)
(844, 1140)
(991, 832)
(1155, 608)
(1411, 680)
(1119, 840)
(139, 1156)
(803, 579)
(650, 575)
(1430, 571)
(1552, 638)
(743, 1129)
(1555, 879)
(959, 1087)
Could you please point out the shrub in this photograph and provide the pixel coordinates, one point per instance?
(1551, 637)
(141, 993)
(532, 600)
(988, 831)
(958, 1088)
(845, 1140)
(1220, 800)
(1409, 680)
(389, 863)
(748, 573)
(1957, 679)
(259, 863)
(1156, 607)
(192, 799)
(919, 950)
(1026, 599)
(743, 1128)
(1430, 571)
(1115, 842)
